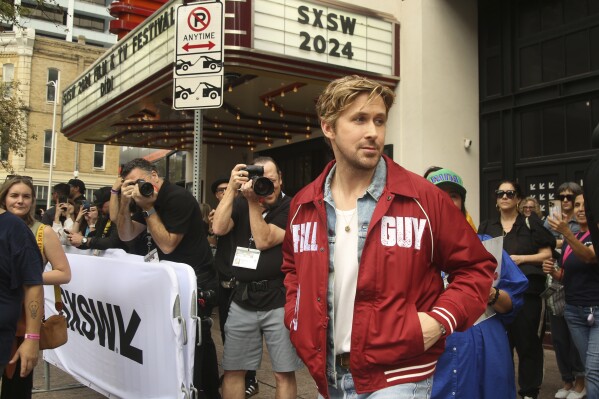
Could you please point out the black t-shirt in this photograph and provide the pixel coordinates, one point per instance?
(269, 263)
(580, 279)
(523, 239)
(224, 257)
(180, 214)
(20, 264)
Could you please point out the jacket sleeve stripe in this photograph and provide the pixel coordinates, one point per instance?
(444, 313)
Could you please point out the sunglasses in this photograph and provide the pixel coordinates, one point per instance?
(220, 190)
(569, 197)
(500, 193)
(8, 177)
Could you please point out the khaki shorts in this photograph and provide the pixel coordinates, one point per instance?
(243, 340)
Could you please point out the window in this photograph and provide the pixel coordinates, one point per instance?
(46, 12)
(91, 23)
(8, 75)
(48, 146)
(98, 2)
(51, 89)
(98, 156)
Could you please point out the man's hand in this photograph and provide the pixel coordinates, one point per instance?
(431, 330)
(247, 190)
(130, 190)
(239, 177)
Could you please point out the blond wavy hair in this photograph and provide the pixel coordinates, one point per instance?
(341, 93)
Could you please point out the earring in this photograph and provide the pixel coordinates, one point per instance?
(497, 206)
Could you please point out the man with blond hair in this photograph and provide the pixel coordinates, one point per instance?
(364, 248)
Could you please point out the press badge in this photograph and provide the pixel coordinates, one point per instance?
(152, 256)
(246, 257)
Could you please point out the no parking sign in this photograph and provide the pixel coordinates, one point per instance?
(198, 71)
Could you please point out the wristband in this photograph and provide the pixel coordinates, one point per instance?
(115, 191)
(495, 298)
(32, 336)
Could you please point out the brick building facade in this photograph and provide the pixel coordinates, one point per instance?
(33, 62)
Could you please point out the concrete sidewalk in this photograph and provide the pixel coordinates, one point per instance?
(306, 387)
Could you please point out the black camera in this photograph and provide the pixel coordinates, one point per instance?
(262, 185)
(63, 200)
(145, 188)
(206, 298)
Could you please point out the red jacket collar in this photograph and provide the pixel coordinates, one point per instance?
(400, 181)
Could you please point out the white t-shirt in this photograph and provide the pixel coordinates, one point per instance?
(345, 263)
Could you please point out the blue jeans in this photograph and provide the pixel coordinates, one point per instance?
(411, 390)
(586, 339)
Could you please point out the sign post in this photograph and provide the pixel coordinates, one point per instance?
(198, 72)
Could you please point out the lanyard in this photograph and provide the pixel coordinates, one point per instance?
(106, 228)
(568, 250)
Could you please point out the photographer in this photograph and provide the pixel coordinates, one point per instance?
(60, 194)
(64, 219)
(257, 224)
(105, 233)
(172, 217)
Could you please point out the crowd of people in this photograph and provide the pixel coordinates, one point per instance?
(372, 277)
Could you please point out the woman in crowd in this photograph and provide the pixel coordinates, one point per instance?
(18, 197)
(528, 243)
(580, 275)
(85, 225)
(477, 363)
(566, 355)
(530, 205)
(64, 218)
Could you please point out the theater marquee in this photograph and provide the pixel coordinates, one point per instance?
(318, 32)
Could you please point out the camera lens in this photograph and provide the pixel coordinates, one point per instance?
(146, 189)
(263, 186)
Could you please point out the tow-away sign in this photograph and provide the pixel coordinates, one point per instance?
(198, 71)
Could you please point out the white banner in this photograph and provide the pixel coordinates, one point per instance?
(126, 333)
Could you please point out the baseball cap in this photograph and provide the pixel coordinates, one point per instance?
(78, 183)
(445, 178)
(218, 182)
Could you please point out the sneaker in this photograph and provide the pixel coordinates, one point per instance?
(562, 393)
(577, 395)
(251, 387)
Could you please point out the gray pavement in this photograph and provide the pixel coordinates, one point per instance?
(63, 386)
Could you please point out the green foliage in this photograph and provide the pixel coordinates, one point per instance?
(10, 13)
(13, 124)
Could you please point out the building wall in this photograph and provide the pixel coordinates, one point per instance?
(34, 55)
(437, 98)
(67, 29)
